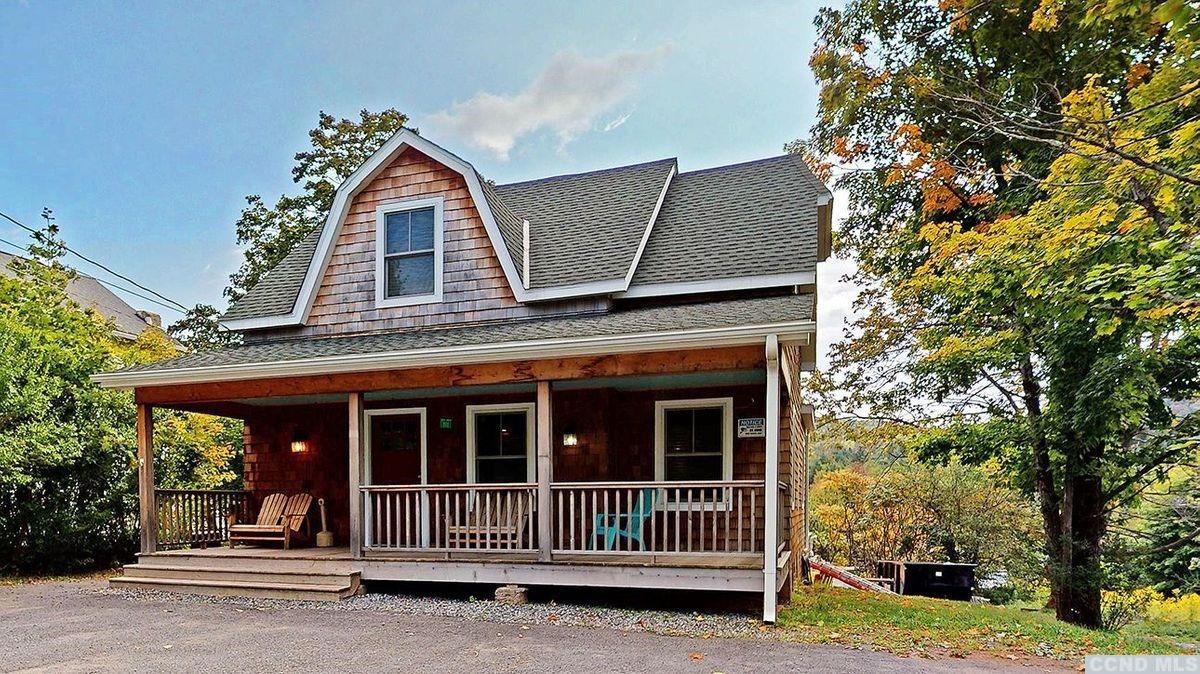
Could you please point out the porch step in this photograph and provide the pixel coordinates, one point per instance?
(238, 589)
(240, 582)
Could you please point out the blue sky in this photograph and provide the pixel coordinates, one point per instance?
(144, 125)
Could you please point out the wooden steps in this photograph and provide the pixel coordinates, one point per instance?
(310, 580)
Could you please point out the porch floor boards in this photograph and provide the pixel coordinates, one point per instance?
(296, 573)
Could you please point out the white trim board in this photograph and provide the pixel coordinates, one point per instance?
(381, 213)
(721, 285)
(530, 410)
(799, 331)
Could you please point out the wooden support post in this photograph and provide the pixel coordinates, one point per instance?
(356, 453)
(771, 493)
(147, 506)
(545, 438)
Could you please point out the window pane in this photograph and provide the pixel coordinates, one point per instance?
(397, 232)
(685, 467)
(706, 429)
(421, 229)
(501, 470)
(678, 430)
(410, 275)
(500, 447)
(501, 434)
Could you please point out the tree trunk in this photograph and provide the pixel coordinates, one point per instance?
(1078, 575)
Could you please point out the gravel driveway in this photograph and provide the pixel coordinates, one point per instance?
(83, 627)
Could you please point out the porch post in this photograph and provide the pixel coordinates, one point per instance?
(147, 507)
(771, 491)
(356, 452)
(545, 438)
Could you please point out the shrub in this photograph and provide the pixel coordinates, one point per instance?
(1118, 609)
(1182, 609)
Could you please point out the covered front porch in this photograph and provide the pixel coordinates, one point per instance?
(657, 469)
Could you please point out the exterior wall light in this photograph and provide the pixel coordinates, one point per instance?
(299, 443)
(570, 440)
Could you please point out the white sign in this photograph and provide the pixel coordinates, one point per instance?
(753, 427)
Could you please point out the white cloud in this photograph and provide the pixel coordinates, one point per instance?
(566, 98)
(616, 122)
(835, 304)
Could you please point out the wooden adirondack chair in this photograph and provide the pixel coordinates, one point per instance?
(626, 525)
(280, 519)
(491, 524)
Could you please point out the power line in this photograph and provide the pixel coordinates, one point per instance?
(108, 283)
(87, 259)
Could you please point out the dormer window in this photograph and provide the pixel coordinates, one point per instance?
(408, 242)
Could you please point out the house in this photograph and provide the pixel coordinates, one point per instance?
(90, 294)
(589, 379)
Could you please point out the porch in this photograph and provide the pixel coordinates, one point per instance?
(653, 476)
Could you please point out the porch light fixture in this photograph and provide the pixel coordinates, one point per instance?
(570, 440)
(299, 443)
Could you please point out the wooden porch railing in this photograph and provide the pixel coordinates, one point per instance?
(659, 517)
(196, 517)
(454, 517)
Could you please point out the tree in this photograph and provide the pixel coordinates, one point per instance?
(339, 147)
(200, 329)
(1024, 178)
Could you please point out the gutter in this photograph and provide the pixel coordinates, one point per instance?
(792, 331)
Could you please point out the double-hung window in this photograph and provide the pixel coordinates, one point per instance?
(500, 443)
(408, 267)
(693, 442)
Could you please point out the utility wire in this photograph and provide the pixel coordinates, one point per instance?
(89, 260)
(109, 284)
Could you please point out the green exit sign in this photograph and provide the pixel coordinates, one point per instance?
(444, 424)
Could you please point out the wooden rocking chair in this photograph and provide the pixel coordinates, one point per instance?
(280, 519)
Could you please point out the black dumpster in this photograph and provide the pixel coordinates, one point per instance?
(943, 580)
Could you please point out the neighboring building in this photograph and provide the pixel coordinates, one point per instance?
(128, 323)
(590, 379)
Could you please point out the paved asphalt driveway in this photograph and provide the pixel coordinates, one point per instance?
(73, 628)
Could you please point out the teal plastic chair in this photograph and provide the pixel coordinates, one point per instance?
(626, 525)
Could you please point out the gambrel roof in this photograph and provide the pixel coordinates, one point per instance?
(636, 231)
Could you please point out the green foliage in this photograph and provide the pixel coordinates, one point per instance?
(1120, 609)
(924, 627)
(200, 330)
(1025, 187)
(954, 513)
(339, 147)
(67, 447)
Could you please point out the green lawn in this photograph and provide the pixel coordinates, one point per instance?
(916, 625)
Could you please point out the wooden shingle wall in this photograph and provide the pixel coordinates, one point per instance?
(474, 285)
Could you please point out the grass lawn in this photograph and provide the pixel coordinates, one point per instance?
(916, 625)
(65, 578)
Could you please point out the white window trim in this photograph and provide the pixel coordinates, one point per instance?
(660, 408)
(367, 449)
(530, 435)
(381, 213)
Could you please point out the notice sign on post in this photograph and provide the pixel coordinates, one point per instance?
(752, 427)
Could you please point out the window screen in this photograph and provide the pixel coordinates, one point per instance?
(409, 257)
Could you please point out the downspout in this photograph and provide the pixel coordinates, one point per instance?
(771, 482)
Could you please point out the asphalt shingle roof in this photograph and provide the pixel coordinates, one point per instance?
(586, 227)
(276, 292)
(746, 219)
(750, 219)
(731, 313)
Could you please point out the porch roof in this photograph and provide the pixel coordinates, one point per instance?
(698, 325)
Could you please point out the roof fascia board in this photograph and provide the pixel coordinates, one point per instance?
(405, 138)
(637, 257)
(720, 285)
(474, 353)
